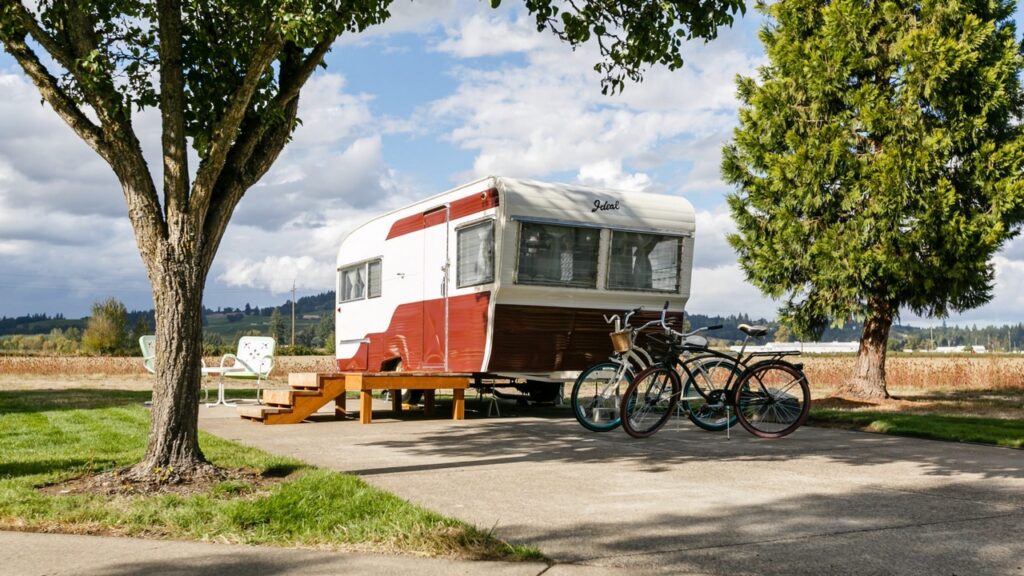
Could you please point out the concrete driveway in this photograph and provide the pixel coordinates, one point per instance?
(686, 501)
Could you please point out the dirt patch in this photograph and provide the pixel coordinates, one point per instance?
(210, 479)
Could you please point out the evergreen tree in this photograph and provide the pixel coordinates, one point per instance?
(326, 332)
(276, 326)
(878, 162)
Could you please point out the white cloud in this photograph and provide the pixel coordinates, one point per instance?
(609, 174)
(490, 34)
(711, 249)
(725, 290)
(275, 273)
(548, 116)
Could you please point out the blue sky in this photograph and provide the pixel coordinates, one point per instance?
(444, 92)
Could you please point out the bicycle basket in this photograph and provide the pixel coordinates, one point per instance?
(621, 341)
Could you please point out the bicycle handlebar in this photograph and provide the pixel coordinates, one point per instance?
(682, 335)
(625, 321)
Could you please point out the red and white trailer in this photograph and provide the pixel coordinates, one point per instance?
(507, 277)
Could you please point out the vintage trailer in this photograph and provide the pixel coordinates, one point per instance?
(507, 277)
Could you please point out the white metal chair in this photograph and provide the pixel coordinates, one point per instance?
(253, 361)
(148, 345)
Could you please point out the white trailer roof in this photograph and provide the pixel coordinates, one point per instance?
(541, 201)
(531, 200)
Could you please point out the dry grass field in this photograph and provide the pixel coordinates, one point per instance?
(983, 385)
(990, 386)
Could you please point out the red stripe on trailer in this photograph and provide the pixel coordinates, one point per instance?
(407, 333)
(459, 208)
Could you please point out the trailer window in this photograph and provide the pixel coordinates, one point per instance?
(644, 262)
(475, 262)
(353, 283)
(360, 281)
(373, 279)
(551, 255)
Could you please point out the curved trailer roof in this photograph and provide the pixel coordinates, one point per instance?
(522, 199)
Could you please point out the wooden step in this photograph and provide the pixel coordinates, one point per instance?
(285, 397)
(260, 413)
(310, 391)
(304, 380)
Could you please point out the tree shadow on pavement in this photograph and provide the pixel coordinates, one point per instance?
(539, 440)
(241, 564)
(860, 532)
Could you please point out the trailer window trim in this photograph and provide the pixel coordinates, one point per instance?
(615, 276)
(589, 278)
(460, 265)
(363, 281)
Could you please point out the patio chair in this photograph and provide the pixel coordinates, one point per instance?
(254, 361)
(148, 345)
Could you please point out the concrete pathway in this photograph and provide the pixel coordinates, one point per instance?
(29, 554)
(687, 501)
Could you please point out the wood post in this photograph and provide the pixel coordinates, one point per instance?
(459, 404)
(365, 407)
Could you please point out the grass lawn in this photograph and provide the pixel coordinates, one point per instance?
(50, 436)
(998, 431)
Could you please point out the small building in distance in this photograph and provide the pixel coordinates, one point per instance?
(804, 347)
(960, 350)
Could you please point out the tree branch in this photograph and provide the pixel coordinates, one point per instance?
(259, 144)
(49, 43)
(50, 89)
(172, 110)
(225, 132)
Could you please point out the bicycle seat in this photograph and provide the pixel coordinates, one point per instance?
(755, 331)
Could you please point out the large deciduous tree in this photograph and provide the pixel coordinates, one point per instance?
(226, 76)
(878, 162)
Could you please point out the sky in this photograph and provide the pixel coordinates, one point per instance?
(444, 92)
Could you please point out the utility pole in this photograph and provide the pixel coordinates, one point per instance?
(293, 313)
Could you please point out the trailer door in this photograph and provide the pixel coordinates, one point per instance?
(436, 280)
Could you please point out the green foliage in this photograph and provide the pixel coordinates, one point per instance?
(996, 431)
(633, 33)
(276, 327)
(326, 330)
(107, 330)
(879, 156)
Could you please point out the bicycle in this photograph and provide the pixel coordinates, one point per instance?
(770, 398)
(597, 390)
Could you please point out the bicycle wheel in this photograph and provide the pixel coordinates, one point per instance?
(649, 401)
(596, 394)
(772, 399)
(705, 394)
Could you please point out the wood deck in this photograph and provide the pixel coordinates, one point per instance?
(310, 391)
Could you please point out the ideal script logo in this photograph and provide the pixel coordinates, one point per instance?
(606, 205)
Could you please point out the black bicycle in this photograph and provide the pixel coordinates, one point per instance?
(766, 394)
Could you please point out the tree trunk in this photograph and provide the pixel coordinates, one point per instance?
(869, 373)
(173, 449)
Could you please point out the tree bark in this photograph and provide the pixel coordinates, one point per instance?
(869, 372)
(173, 448)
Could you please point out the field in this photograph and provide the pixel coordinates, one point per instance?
(979, 385)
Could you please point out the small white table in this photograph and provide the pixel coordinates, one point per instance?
(220, 371)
